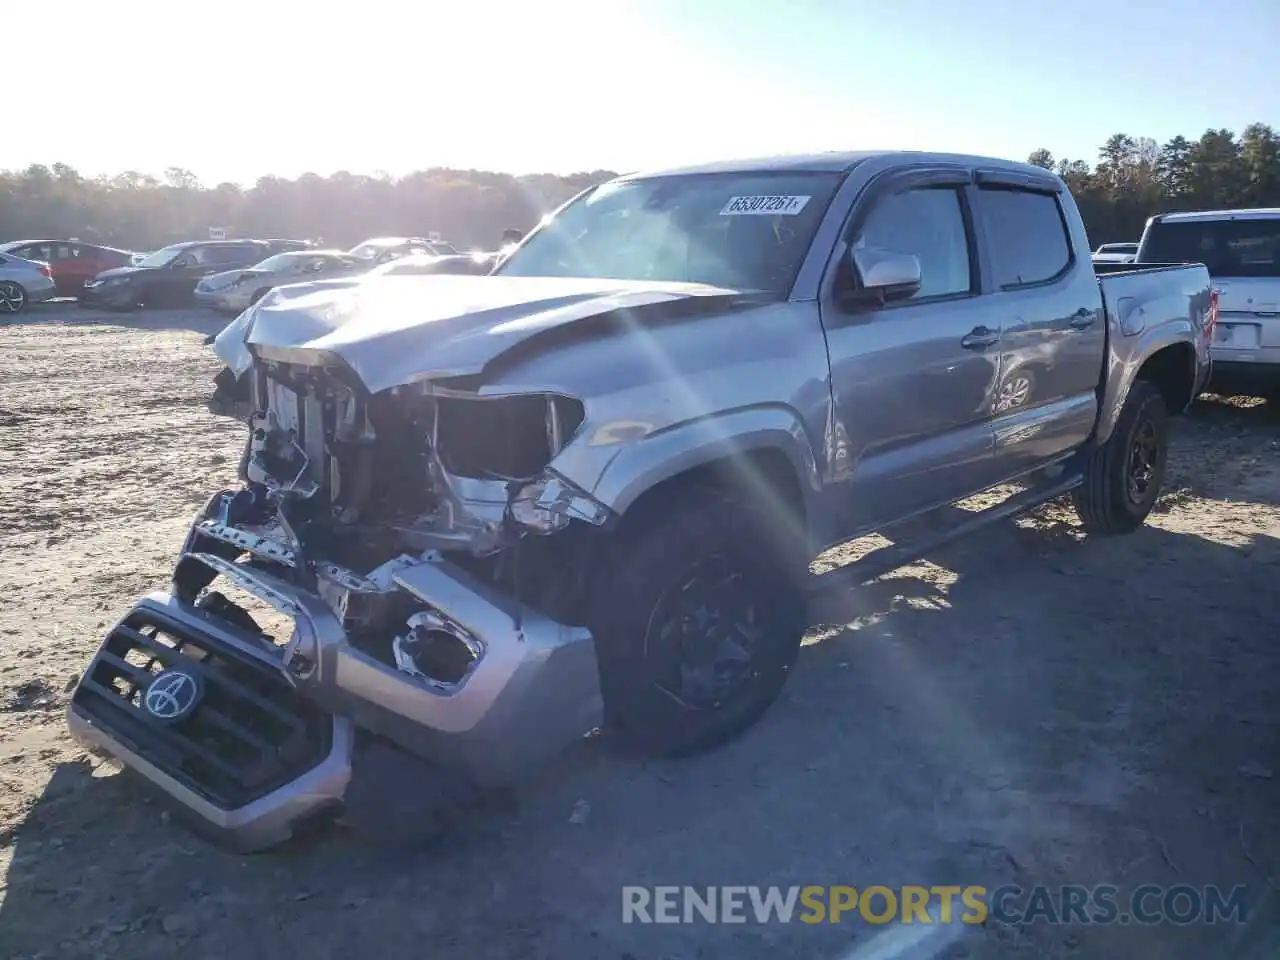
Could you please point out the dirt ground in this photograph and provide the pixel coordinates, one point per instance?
(1029, 706)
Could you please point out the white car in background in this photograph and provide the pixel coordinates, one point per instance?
(22, 283)
(1115, 253)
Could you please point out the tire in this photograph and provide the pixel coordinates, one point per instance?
(750, 579)
(1107, 503)
(13, 298)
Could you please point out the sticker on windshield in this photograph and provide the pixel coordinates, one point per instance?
(764, 206)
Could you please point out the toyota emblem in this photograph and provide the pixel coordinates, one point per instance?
(172, 695)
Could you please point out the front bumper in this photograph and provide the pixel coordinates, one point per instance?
(117, 295)
(215, 300)
(533, 691)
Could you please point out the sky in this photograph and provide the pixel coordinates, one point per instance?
(236, 89)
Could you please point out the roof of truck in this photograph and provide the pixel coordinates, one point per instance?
(1254, 213)
(834, 161)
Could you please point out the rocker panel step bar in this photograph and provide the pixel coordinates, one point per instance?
(889, 558)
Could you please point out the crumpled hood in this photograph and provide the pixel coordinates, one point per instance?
(225, 278)
(400, 329)
(123, 272)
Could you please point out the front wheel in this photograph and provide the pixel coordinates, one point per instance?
(13, 298)
(699, 618)
(1123, 476)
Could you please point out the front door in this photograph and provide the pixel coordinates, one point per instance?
(913, 381)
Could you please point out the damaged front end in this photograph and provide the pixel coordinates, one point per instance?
(424, 570)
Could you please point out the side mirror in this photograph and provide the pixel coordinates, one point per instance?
(880, 276)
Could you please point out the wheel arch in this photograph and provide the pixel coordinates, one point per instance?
(1168, 363)
(1172, 370)
(762, 453)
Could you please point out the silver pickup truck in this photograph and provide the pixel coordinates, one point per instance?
(489, 515)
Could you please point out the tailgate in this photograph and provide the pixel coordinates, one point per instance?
(1248, 313)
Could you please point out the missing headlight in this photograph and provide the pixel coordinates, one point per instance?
(509, 438)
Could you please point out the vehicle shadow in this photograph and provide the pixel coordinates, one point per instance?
(67, 313)
(1026, 707)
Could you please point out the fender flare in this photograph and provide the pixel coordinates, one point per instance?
(666, 454)
(1123, 370)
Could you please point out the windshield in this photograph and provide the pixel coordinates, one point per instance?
(161, 257)
(1229, 248)
(743, 231)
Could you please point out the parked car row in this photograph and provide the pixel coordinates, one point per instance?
(168, 277)
(227, 275)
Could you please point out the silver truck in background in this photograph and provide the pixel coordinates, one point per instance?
(495, 513)
(1241, 249)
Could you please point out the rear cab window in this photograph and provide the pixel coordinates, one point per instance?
(1027, 237)
(1229, 247)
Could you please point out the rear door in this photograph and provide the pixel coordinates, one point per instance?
(74, 263)
(1049, 310)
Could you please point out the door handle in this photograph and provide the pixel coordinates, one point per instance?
(1082, 318)
(979, 337)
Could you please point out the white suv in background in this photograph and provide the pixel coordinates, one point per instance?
(1115, 253)
(1241, 248)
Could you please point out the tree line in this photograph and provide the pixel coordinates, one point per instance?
(470, 208)
(1133, 178)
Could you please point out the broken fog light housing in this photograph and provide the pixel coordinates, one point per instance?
(437, 651)
(550, 502)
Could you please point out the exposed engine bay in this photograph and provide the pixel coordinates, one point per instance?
(343, 488)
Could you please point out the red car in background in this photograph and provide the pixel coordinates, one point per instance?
(71, 262)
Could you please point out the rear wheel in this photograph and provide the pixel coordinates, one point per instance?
(698, 622)
(13, 297)
(1123, 476)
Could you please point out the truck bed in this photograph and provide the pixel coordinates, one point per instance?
(1149, 307)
